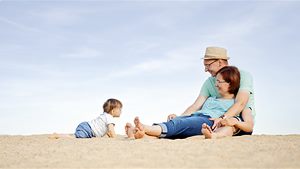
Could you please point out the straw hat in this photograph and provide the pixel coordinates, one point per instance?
(215, 53)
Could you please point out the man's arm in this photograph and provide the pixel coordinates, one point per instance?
(241, 101)
(243, 96)
(191, 109)
(248, 123)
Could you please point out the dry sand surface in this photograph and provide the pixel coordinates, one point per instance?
(257, 151)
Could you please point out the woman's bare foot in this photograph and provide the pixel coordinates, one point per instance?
(129, 129)
(138, 123)
(207, 131)
(139, 134)
(139, 129)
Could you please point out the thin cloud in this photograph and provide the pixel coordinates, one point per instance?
(20, 26)
(23, 27)
(83, 53)
(60, 16)
(246, 25)
(172, 61)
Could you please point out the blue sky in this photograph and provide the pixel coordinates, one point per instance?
(60, 61)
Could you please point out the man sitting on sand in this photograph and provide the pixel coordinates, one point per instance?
(216, 58)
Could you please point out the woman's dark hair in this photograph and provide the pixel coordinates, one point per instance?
(110, 104)
(231, 75)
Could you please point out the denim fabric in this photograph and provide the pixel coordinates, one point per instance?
(84, 130)
(185, 126)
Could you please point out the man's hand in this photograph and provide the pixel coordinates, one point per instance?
(229, 121)
(171, 116)
(217, 123)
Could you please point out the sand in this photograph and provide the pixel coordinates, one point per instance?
(257, 151)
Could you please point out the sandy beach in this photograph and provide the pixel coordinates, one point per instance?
(257, 151)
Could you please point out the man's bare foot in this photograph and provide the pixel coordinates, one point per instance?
(139, 128)
(129, 129)
(207, 131)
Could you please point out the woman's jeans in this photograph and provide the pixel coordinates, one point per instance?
(184, 126)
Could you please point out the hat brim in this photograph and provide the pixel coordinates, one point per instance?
(215, 57)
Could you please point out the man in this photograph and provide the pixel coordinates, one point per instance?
(214, 59)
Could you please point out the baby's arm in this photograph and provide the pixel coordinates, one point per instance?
(248, 123)
(111, 131)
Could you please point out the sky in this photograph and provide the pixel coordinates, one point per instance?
(61, 60)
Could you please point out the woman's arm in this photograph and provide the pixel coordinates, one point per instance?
(191, 109)
(195, 106)
(111, 131)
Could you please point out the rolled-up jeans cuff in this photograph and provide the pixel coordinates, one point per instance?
(164, 129)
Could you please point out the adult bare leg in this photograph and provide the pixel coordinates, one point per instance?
(146, 129)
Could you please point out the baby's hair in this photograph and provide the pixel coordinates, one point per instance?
(231, 75)
(110, 104)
